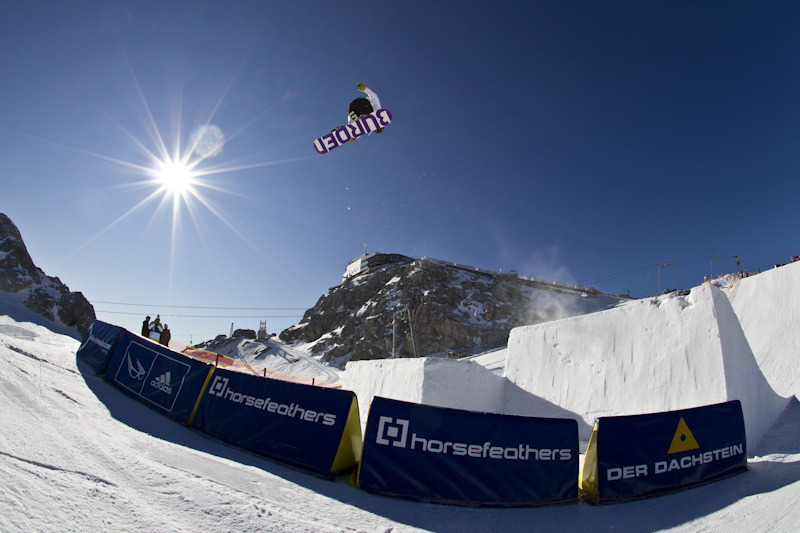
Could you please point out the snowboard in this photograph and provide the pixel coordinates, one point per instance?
(363, 126)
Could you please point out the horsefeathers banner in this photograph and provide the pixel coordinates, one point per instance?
(443, 455)
(313, 428)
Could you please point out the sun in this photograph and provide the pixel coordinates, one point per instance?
(175, 176)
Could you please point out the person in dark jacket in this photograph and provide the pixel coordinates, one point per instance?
(146, 327)
(165, 336)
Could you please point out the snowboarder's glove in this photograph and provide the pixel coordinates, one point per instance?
(361, 87)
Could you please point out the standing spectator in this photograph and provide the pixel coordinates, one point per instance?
(165, 336)
(146, 327)
(156, 328)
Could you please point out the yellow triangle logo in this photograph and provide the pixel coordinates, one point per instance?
(683, 440)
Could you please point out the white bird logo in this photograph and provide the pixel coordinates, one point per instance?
(136, 373)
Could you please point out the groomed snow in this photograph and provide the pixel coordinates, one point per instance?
(652, 355)
(767, 306)
(76, 454)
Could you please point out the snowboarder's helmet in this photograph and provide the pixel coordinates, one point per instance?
(361, 107)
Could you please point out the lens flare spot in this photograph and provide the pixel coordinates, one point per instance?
(208, 141)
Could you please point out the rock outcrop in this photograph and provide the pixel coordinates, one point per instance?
(40, 293)
(425, 307)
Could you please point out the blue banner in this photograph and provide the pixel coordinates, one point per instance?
(646, 455)
(159, 377)
(98, 345)
(451, 456)
(300, 425)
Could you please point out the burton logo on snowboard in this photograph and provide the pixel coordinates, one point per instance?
(363, 126)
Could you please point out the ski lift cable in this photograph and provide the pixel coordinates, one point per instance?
(205, 307)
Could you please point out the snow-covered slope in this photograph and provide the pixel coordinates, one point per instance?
(661, 354)
(277, 356)
(767, 306)
(76, 454)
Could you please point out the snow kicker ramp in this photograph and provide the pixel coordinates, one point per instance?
(768, 307)
(659, 354)
(436, 382)
(464, 385)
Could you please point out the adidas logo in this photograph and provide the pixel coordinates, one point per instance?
(162, 383)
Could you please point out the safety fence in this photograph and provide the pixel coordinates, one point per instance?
(419, 452)
(638, 456)
(313, 428)
(238, 365)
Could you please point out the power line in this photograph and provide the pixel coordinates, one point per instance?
(611, 277)
(628, 273)
(207, 307)
(202, 316)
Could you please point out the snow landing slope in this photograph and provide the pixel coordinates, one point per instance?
(768, 307)
(660, 354)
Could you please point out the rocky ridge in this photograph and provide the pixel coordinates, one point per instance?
(42, 294)
(427, 307)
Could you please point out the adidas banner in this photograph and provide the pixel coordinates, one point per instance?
(645, 455)
(161, 378)
(460, 457)
(313, 428)
(98, 344)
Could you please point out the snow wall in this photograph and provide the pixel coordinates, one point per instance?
(658, 354)
(768, 308)
(444, 383)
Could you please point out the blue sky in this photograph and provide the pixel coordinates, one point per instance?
(584, 142)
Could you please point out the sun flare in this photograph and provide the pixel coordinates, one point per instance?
(175, 176)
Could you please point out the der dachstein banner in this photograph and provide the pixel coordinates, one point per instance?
(158, 376)
(314, 428)
(461, 457)
(646, 455)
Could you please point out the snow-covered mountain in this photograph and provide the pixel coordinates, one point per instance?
(21, 281)
(425, 307)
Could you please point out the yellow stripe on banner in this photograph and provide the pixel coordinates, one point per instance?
(353, 479)
(588, 479)
(355, 476)
(200, 396)
(349, 452)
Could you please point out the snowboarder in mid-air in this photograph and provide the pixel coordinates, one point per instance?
(364, 116)
(363, 106)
